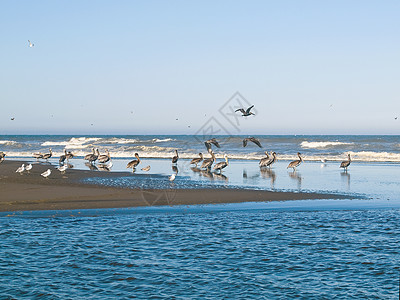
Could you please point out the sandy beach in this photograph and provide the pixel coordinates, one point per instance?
(30, 191)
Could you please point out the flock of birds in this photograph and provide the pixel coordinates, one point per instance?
(104, 160)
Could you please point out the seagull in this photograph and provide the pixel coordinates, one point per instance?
(175, 158)
(20, 169)
(197, 159)
(345, 163)
(30, 44)
(172, 177)
(62, 168)
(46, 173)
(104, 157)
(146, 169)
(295, 163)
(223, 164)
(132, 164)
(246, 112)
(211, 141)
(251, 139)
(28, 167)
(37, 155)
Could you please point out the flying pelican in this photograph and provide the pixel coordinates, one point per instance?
(246, 112)
(37, 155)
(197, 159)
(251, 139)
(46, 173)
(211, 141)
(147, 168)
(172, 177)
(295, 163)
(132, 164)
(47, 155)
(28, 167)
(223, 164)
(20, 169)
(63, 157)
(104, 157)
(207, 163)
(87, 156)
(263, 161)
(175, 158)
(94, 157)
(345, 163)
(271, 161)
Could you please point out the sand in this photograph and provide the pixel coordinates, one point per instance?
(30, 191)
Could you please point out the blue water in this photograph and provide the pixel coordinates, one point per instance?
(238, 254)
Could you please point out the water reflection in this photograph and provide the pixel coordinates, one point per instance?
(221, 177)
(91, 166)
(104, 168)
(269, 174)
(297, 177)
(175, 169)
(345, 177)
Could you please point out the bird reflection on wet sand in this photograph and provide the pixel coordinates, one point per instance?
(295, 175)
(268, 173)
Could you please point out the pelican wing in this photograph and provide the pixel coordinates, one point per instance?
(241, 110)
(255, 141)
(248, 110)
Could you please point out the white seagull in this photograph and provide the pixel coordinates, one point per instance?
(172, 177)
(20, 169)
(46, 173)
(28, 167)
(62, 168)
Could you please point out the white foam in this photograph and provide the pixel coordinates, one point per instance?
(119, 141)
(72, 143)
(311, 145)
(5, 142)
(162, 140)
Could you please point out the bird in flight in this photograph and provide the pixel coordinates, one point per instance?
(246, 112)
(211, 141)
(12, 119)
(251, 139)
(30, 44)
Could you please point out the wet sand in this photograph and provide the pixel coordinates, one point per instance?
(30, 191)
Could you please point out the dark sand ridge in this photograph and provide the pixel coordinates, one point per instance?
(30, 191)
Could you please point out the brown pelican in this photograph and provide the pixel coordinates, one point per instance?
(37, 155)
(175, 158)
(295, 163)
(46, 173)
(69, 155)
(132, 164)
(246, 112)
(47, 155)
(223, 164)
(251, 139)
(63, 157)
(2, 154)
(263, 161)
(87, 156)
(345, 163)
(104, 157)
(271, 161)
(211, 141)
(197, 159)
(207, 163)
(94, 157)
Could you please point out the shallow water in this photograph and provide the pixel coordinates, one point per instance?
(208, 254)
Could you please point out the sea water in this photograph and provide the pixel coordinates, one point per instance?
(311, 249)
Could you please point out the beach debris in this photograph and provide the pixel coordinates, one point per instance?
(246, 112)
(30, 44)
(147, 168)
(294, 164)
(46, 174)
(20, 169)
(251, 139)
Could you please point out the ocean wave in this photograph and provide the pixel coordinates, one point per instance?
(8, 143)
(162, 140)
(119, 141)
(311, 145)
(72, 143)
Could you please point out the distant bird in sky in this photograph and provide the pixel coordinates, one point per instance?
(211, 141)
(395, 118)
(251, 139)
(12, 119)
(246, 112)
(30, 44)
(46, 173)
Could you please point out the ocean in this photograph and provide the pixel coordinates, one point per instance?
(308, 249)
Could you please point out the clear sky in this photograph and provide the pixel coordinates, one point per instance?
(134, 67)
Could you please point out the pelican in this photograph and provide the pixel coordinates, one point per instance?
(2, 154)
(28, 167)
(197, 159)
(47, 155)
(223, 164)
(37, 155)
(345, 163)
(251, 139)
(132, 164)
(46, 173)
(175, 158)
(105, 167)
(87, 156)
(30, 44)
(94, 157)
(62, 168)
(147, 168)
(69, 155)
(211, 141)
(207, 163)
(172, 177)
(104, 157)
(295, 163)
(63, 157)
(271, 161)
(20, 169)
(263, 161)
(246, 112)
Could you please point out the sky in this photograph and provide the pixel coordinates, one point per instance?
(167, 67)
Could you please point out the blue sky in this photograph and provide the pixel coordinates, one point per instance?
(130, 67)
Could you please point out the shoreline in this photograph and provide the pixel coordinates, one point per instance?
(28, 192)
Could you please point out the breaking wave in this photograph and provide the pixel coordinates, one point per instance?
(312, 145)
